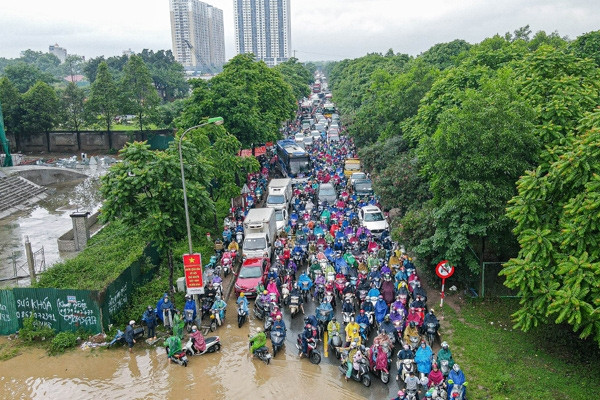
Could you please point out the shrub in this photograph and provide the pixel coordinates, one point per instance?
(33, 330)
(62, 341)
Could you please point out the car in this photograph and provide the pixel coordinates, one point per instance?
(333, 137)
(281, 219)
(252, 273)
(327, 193)
(363, 187)
(351, 165)
(308, 141)
(355, 177)
(316, 135)
(373, 219)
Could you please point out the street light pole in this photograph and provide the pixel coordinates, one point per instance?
(216, 121)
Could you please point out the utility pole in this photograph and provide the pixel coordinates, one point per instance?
(30, 260)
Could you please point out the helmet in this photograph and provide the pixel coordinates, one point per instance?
(431, 311)
(412, 324)
(334, 319)
(278, 317)
(381, 296)
(309, 326)
(401, 392)
(217, 297)
(187, 296)
(131, 322)
(428, 395)
(242, 294)
(456, 367)
(258, 330)
(362, 348)
(354, 330)
(306, 320)
(149, 308)
(406, 347)
(194, 328)
(353, 345)
(445, 345)
(265, 291)
(362, 311)
(387, 317)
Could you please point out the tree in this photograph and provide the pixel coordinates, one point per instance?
(11, 105)
(445, 55)
(252, 98)
(557, 225)
(24, 76)
(587, 46)
(144, 191)
(72, 101)
(472, 163)
(103, 99)
(297, 76)
(168, 75)
(40, 105)
(73, 65)
(138, 93)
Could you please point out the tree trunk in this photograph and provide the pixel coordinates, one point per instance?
(48, 140)
(171, 272)
(216, 221)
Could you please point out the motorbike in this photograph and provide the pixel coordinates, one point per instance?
(239, 237)
(430, 333)
(260, 309)
(294, 305)
(226, 263)
(207, 303)
(383, 374)
(242, 315)
(336, 342)
(444, 367)
(268, 325)
(285, 294)
(120, 336)
(213, 343)
(413, 342)
(188, 317)
(406, 366)
(215, 320)
(360, 375)
(313, 354)
(439, 392)
(457, 392)
(263, 354)
(277, 339)
(411, 394)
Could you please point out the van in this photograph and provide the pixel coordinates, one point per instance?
(351, 165)
(280, 193)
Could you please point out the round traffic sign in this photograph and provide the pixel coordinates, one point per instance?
(444, 269)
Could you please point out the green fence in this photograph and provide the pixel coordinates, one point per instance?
(71, 309)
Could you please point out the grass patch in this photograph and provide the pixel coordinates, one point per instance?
(107, 255)
(502, 363)
(62, 342)
(9, 350)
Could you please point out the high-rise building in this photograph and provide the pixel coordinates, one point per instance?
(198, 35)
(58, 52)
(262, 27)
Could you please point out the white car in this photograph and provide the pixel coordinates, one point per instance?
(281, 219)
(373, 219)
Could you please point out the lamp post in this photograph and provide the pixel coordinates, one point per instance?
(216, 121)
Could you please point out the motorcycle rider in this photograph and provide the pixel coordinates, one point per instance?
(295, 292)
(401, 395)
(210, 291)
(352, 351)
(264, 298)
(258, 340)
(381, 309)
(419, 291)
(362, 318)
(414, 316)
(410, 331)
(219, 305)
(190, 304)
(178, 324)
(310, 332)
(352, 331)
(430, 318)
(423, 358)
(405, 354)
(445, 354)
(149, 318)
(199, 344)
(279, 324)
(457, 377)
(412, 383)
(435, 376)
(332, 327)
(243, 301)
(388, 327)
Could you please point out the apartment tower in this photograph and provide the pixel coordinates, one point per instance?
(262, 27)
(198, 35)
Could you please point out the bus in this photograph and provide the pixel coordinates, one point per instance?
(294, 161)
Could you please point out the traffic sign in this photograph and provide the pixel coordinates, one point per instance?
(444, 269)
(192, 266)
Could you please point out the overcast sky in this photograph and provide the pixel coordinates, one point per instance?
(321, 29)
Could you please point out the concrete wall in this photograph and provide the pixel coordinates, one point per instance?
(91, 141)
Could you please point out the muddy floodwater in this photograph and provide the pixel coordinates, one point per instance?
(145, 374)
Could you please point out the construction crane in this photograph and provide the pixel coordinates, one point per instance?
(8, 159)
(198, 57)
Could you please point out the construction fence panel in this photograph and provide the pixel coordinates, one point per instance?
(8, 313)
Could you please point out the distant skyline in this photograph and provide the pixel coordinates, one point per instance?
(321, 30)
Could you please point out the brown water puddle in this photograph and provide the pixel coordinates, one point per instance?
(146, 374)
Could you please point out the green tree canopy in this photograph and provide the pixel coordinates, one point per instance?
(72, 101)
(40, 107)
(138, 94)
(252, 98)
(11, 105)
(297, 76)
(24, 75)
(103, 100)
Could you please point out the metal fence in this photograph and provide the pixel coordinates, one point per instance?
(71, 309)
(492, 284)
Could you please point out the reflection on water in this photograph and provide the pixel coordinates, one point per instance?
(45, 222)
(146, 374)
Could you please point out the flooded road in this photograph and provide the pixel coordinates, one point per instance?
(44, 223)
(145, 374)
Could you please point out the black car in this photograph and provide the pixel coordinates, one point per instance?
(363, 187)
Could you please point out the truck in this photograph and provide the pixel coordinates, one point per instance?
(280, 193)
(260, 229)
